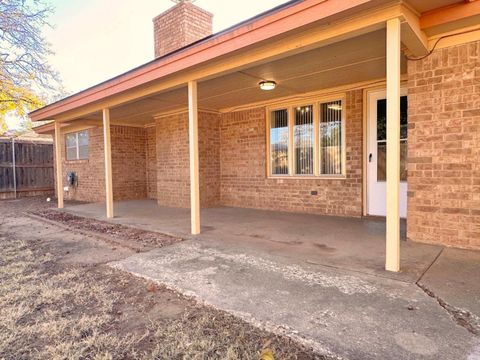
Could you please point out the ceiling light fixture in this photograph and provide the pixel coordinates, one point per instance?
(267, 85)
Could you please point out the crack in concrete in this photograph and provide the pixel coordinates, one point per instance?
(464, 318)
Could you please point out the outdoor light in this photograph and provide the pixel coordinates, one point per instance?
(336, 107)
(267, 85)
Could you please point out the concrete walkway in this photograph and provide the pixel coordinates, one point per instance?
(340, 312)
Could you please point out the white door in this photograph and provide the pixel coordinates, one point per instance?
(376, 153)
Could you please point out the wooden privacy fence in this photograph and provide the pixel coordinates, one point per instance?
(26, 168)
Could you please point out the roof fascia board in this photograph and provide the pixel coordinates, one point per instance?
(67, 127)
(200, 46)
(292, 17)
(451, 13)
(267, 51)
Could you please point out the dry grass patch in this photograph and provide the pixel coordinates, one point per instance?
(47, 315)
(53, 310)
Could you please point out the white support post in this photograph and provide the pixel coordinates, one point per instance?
(108, 163)
(58, 165)
(193, 145)
(392, 262)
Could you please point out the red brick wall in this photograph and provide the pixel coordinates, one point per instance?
(179, 26)
(243, 168)
(129, 163)
(128, 166)
(444, 147)
(90, 172)
(173, 166)
(151, 154)
(209, 158)
(172, 161)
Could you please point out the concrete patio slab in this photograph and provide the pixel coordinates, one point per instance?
(455, 278)
(354, 315)
(316, 278)
(346, 243)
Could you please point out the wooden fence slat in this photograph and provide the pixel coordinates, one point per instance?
(41, 166)
(33, 168)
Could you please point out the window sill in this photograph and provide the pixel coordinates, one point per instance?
(79, 161)
(299, 177)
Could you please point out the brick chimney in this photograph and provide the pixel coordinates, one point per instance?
(180, 26)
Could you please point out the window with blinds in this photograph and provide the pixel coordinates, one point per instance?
(311, 141)
(331, 138)
(279, 142)
(304, 140)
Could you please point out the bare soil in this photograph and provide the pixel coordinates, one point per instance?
(137, 239)
(60, 300)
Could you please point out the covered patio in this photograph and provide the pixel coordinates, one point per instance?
(356, 244)
(191, 97)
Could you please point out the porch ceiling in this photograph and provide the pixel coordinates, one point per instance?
(347, 62)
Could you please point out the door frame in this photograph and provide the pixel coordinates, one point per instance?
(366, 135)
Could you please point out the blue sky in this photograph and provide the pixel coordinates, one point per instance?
(94, 40)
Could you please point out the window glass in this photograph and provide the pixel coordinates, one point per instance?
(311, 140)
(382, 119)
(279, 142)
(83, 152)
(303, 140)
(83, 138)
(382, 139)
(330, 130)
(71, 140)
(72, 153)
(76, 145)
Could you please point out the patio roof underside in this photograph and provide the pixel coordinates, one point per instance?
(351, 61)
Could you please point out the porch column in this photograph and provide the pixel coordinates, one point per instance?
(193, 145)
(108, 163)
(58, 164)
(392, 262)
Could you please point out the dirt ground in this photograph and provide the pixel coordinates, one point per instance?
(136, 239)
(59, 300)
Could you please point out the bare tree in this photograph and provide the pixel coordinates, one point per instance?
(24, 69)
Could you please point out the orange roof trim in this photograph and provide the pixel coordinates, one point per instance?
(287, 17)
(450, 13)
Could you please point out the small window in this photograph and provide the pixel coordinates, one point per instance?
(279, 142)
(76, 145)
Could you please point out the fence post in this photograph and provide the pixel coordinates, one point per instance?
(14, 169)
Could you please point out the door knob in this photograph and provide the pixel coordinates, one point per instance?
(370, 157)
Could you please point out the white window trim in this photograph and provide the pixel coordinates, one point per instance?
(290, 106)
(77, 146)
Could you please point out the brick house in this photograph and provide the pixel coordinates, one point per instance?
(288, 111)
